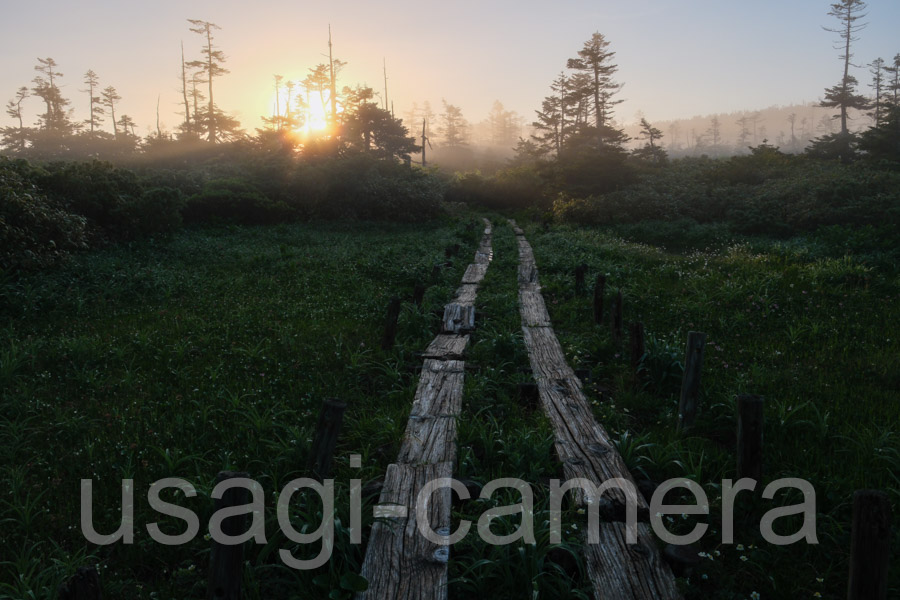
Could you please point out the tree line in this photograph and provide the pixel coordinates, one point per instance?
(313, 114)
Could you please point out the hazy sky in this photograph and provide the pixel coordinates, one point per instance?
(676, 59)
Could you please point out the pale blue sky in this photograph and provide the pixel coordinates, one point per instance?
(676, 59)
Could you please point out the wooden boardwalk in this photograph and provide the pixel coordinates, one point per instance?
(617, 570)
(400, 562)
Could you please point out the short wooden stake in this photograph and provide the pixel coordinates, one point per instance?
(451, 251)
(390, 324)
(83, 585)
(435, 272)
(327, 430)
(527, 394)
(580, 270)
(750, 436)
(599, 291)
(690, 383)
(226, 562)
(638, 346)
(418, 294)
(870, 546)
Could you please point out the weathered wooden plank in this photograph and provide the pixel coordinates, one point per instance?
(526, 254)
(548, 362)
(582, 445)
(534, 311)
(474, 273)
(622, 571)
(430, 435)
(440, 389)
(447, 346)
(458, 318)
(465, 294)
(428, 440)
(617, 570)
(400, 562)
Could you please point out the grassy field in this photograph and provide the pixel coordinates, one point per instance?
(211, 351)
(816, 336)
(215, 349)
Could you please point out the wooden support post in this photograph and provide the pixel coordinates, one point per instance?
(527, 394)
(451, 251)
(638, 346)
(599, 291)
(870, 546)
(435, 272)
(327, 430)
(750, 436)
(226, 562)
(690, 383)
(580, 270)
(83, 585)
(390, 324)
(418, 294)
(615, 317)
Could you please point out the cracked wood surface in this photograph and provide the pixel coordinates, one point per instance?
(400, 562)
(617, 570)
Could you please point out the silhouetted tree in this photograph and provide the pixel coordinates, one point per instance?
(373, 130)
(16, 138)
(596, 60)
(843, 96)
(95, 108)
(211, 67)
(109, 98)
(650, 152)
(55, 120)
(553, 120)
(893, 82)
(877, 72)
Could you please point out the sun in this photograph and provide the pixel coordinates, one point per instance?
(316, 118)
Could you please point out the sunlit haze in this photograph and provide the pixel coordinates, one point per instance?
(675, 59)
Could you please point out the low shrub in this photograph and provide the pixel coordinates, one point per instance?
(234, 201)
(34, 231)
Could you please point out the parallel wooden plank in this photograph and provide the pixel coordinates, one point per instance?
(474, 273)
(582, 445)
(622, 571)
(465, 294)
(617, 570)
(534, 311)
(458, 318)
(440, 389)
(548, 362)
(400, 562)
(447, 346)
(428, 440)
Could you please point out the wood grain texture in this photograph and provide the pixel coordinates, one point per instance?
(400, 562)
(617, 570)
(447, 347)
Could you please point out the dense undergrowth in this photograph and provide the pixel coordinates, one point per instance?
(210, 351)
(812, 332)
(48, 211)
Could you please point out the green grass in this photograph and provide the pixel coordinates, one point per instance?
(208, 352)
(817, 337)
(214, 350)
